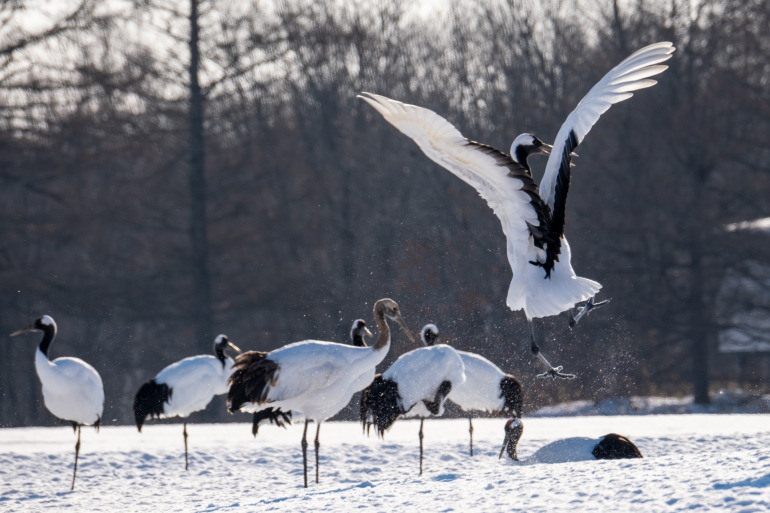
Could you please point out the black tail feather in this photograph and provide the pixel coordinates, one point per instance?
(380, 405)
(273, 415)
(149, 400)
(251, 381)
(510, 391)
(615, 447)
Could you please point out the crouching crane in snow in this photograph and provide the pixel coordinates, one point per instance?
(608, 447)
(486, 387)
(532, 217)
(315, 379)
(185, 387)
(72, 389)
(416, 385)
(358, 334)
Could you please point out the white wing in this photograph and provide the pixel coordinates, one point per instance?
(506, 186)
(632, 74)
(194, 381)
(311, 366)
(72, 389)
(420, 372)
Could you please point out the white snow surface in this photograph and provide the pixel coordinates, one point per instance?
(698, 462)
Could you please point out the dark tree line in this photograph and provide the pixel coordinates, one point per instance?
(310, 207)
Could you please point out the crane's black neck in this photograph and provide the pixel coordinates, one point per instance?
(358, 339)
(220, 354)
(522, 152)
(49, 332)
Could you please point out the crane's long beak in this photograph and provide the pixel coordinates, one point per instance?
(23, 330)
(234, 347)
(367, 332)
(546, 149)
(405, 329)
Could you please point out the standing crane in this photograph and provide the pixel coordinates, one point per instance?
(313, 378)
(72, 389)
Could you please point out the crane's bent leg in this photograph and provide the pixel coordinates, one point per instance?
(552, 372)
(317, 445)
(77, 452)
(184, 433)
(304, 452)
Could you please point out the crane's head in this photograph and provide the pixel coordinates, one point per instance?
(359, 332)
(429, 334)
(513, 430)
(221, 343)
(44, 323)
(389, 309)
(525, 145)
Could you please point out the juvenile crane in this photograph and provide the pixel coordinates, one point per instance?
(72, 389)
(315, 379)
(416, 385)
(532, 217)
(185, 387)
(486, 387)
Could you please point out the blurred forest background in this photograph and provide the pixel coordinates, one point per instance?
(174, 170)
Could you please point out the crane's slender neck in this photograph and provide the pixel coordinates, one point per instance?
(383, 338)
(220, 354)
(49, 332)
(358, 339)
(521, 157)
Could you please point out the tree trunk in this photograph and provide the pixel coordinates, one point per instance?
(201, 301)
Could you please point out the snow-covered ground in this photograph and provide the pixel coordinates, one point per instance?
(692, 462)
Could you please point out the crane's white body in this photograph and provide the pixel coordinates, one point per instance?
(419, 374)
(481, 389)
(194, 381)
(521, 206)
(72, 389)
(316, 379)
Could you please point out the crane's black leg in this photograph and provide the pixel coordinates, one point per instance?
(552, 372)
(77, 452)
(304, 452)
(317, 445)
(184, 432)
(422, 421)
(470, 429)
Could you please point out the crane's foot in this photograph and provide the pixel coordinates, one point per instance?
(556, 372)
(590, 305)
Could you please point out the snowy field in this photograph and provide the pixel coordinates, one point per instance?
(700, 462)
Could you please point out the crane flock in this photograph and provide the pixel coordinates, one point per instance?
(313, 380)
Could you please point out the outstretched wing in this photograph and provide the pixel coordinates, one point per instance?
(507, 187)
(632, 74)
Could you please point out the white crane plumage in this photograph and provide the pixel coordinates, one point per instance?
(416, 385)
(611, 446)
(185, 387)
(312, 378)
(532, 217)
(486, 387)
(72, 389)
(358, 334)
